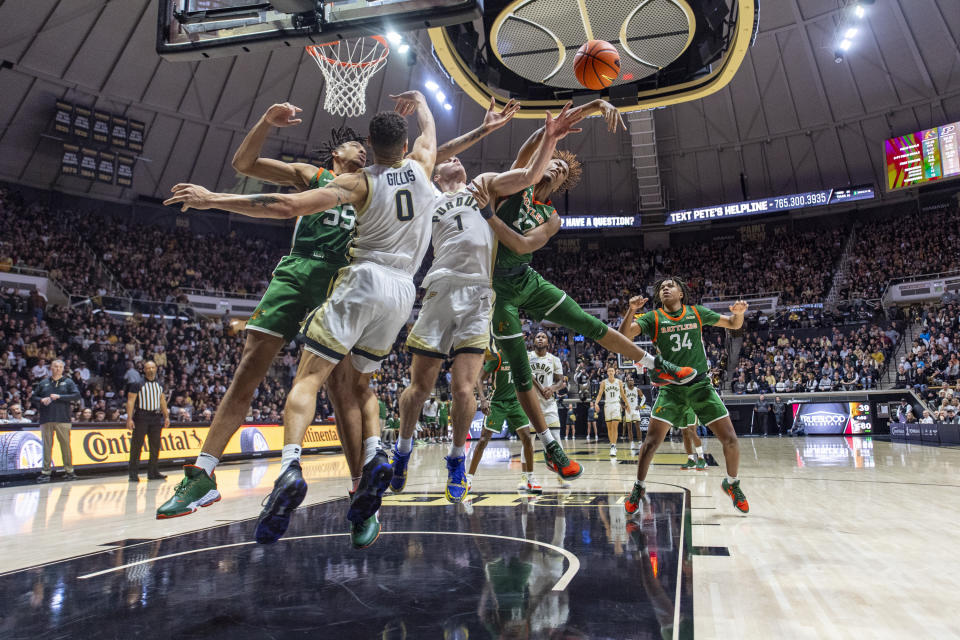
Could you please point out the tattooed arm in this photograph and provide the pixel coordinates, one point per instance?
(349, 188)
(492, 121)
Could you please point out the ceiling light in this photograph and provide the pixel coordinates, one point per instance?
(441, 97)
(394, 37)
(845, 45)
(447, 106)
(859, 11)
(431, 85)
(404, 48)
(851, 32)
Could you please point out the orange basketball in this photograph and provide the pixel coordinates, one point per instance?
(597, 64)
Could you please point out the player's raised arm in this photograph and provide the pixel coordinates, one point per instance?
(519, 243)
(610, 115)
(492, 121)
(628, 324)
(425, 146)
(735, 319)
(247, 159)
(350, 188)
(490, 187)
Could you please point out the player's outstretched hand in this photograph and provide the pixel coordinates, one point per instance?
(478, 188)
(612, 117)
(189, 196)
(494, 119)
(637, 303)
(562, 125)
(408, 102)
(739, 307)
(283, 115)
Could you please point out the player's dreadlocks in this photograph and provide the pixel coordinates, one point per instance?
(684, 289)
(574, 169)
(338, 137)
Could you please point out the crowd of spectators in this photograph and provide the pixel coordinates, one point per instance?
(831, 360)
(931, 364)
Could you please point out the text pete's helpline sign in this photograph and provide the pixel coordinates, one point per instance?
(94, 445)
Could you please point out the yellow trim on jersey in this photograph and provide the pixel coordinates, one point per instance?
(474, 342)
(366, 202)
(417, 342)
(316, 331)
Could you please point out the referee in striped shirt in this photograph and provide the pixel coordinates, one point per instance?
(147, 416)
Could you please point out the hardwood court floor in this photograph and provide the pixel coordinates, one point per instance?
(846, 538)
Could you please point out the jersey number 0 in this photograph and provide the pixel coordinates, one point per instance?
(404, 205)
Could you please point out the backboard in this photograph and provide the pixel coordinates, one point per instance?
(199, 29)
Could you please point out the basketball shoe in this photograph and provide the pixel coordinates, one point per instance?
(637, 496)
(456, 479)
(690, 464)
(533, 486)
(400, 462)
(374, 480)
(196, 490)
(289, 490)
(739, 500)
(558, 462)
(665, 373)
(701, 464)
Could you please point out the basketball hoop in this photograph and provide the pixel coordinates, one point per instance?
(347, 66)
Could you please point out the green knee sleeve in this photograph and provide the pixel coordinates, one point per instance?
(569, 314)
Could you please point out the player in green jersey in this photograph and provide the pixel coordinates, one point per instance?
(692, 443)
(676, 329)
(524, 221)
(300, 283)
(503, 407)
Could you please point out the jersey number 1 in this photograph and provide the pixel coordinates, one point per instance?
(404, 205)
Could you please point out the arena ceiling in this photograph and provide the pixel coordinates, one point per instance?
(791, 120)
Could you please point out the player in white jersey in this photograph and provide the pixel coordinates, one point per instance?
(455, 317)
(635, 401)
(430, 410)
(612, 392)
(547, 372)
(371, 299)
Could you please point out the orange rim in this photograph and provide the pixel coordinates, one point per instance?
(315, 50)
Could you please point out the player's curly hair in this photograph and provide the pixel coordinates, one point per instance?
(338, 138)
(684, 289)
(388, 132)
(574, 169)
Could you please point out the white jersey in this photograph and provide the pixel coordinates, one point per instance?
(462, 240)
(393, 226)
(633, 397)
(431, 408)
(611, 391)
(548, 369)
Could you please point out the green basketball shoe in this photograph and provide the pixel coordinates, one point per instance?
(196, 490)
(689, 464)
(363, 534)
(701, 464)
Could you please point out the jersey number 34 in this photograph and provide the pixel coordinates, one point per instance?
(681, 342)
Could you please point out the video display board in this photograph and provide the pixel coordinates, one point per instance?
(833, 418)
(923, 157)
(823, 197)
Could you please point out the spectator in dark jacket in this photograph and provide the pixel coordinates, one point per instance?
(52, 397)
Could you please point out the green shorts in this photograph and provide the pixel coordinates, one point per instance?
(699, 399)
(539, 300)
(299, 285)
(509, 412)
(429, 421)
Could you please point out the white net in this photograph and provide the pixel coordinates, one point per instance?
(347, 66)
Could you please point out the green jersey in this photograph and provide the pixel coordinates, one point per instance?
(521, 213)
(383, 409)
(504, 389)
(679, 338)
(444, 411)
(327, 234)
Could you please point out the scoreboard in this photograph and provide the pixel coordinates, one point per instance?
(922, 157)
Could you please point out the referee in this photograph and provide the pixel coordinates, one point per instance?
(147, 415)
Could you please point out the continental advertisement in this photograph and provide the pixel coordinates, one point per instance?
(109, 444)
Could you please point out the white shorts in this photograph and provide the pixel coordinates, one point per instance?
(633, 415)
(550, 413)
(369, 305)
(611, 412)
(455, 318)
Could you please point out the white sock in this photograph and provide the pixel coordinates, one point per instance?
(732, 479)
(546, 437)
(692, 456)
(555, 432)
(648, 362)
(370, 447)
(207, 462)
(700, 451)
(290, 453)
(456, 452)
(643, 485)
(405, 445)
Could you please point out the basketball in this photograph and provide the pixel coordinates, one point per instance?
(597, 64)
